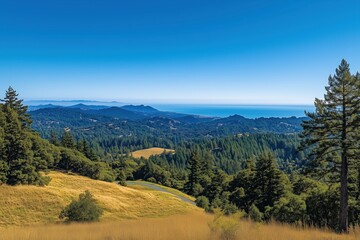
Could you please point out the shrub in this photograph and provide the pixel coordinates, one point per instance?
(83, 210)
(255, 214)
(229, 209)
(202, 202)
(225, 226)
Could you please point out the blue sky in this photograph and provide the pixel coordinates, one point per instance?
(179, 51)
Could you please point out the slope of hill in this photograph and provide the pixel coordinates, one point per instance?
(141, 108)
(29, 205)
(146, 153)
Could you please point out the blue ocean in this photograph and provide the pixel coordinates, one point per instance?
(248, 111)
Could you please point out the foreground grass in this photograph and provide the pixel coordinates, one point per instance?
(29, 205)
(146, 153)
(194, 226)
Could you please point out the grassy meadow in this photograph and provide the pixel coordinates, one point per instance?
(146, 153)
(29, 205)
(130, 213)
(194, 225)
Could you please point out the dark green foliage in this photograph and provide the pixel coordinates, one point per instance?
(290, 209)
(193, 186)
(84, 210)
(11, 101)
(23, 154)
(121, 178)
(54, 139)
(19, 159)
(255, 214)
(229, 209)
(202, 202)
(270, 183)
(67, 140)
(153, 173)
(323, 207)
(333, 132)
(76, 162)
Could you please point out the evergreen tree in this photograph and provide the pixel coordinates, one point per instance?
(17, 151)
(54, 139)
(270, 182)
(67, 140)
(3, 163)
(195, 172)
(11, 100)
(333, 130)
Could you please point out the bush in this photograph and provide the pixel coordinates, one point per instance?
(83, 210)
(290, 209)
(255, 214)
(229, 209)
(202, 202)
(225, 226)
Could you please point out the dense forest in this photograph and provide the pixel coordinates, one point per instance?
(268, 168)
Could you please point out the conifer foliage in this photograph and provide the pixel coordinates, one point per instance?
(333, 132)
(18, 163)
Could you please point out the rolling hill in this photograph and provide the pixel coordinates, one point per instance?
(32, 205)
(90, 121)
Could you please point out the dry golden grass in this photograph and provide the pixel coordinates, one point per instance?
(169, 189)
(192, 226)
(29, 205)
(146, 153)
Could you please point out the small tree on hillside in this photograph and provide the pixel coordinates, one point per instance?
(67, 140)
(83, 210)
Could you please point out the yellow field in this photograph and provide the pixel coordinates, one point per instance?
(28, 205)
(146, 153)
(192, 226)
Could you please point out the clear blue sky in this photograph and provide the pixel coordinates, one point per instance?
(268, 52)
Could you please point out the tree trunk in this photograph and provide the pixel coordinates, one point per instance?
(344, 195)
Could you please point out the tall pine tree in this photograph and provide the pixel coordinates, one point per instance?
(333, 132)
(195, 172)
(12, 101)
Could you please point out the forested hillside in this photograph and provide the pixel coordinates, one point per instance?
(262, 167)
(24, 154)
(87, 122)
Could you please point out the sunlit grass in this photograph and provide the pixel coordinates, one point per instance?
(146, 153)
(171, 190)
(29, 205)
(193, 225)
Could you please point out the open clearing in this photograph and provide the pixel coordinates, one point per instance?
(146, 153)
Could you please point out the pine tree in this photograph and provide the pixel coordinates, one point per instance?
(333, 132)
(67, 140)
(270, 182)
(195, 172)
(11, 100)
(4, 167)
(17, 147)
(54, 139)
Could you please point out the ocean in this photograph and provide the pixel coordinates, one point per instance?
(248, 111)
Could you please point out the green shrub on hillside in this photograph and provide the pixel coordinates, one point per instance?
(83, 210)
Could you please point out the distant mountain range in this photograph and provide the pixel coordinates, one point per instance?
(136, 120)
